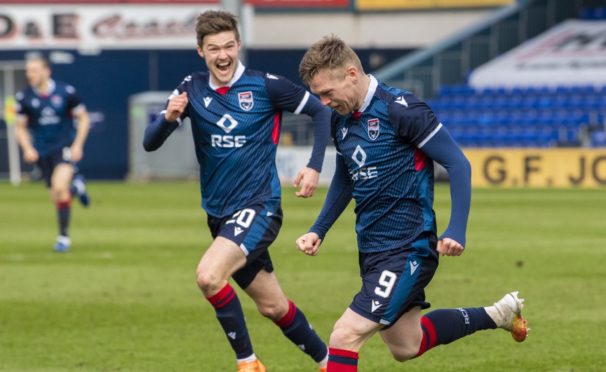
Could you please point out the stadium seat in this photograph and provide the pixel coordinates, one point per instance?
(598, 139)
(521, 116)
(593, 14)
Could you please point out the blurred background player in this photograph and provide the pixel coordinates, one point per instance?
(51, 128)
(235, 115)
(386, 142)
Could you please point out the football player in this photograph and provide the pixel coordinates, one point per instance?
(51, 128)
(235, 114)
(386, 142)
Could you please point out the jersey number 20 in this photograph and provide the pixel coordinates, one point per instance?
(243, 217)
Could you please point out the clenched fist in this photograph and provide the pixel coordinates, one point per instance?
(176, 107)
(450, 247)
(30, 155)
(309, 244)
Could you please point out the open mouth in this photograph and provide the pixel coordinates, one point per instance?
(223, 66)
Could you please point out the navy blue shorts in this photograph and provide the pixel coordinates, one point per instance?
(48, 163)
(253, 229)
(394, 281)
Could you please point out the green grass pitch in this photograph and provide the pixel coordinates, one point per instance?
(125, 298)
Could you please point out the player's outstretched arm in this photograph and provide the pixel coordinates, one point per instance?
(338, 197)
(285, 95)
(30, 155)
(168, 120)
(83, 120)
(442, 148)
(307, 179)
(309, 243)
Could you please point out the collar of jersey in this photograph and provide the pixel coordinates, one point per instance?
(239, 71)
(372, 88)
(51, 89)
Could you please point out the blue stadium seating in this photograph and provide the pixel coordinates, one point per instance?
(598, 139)
(522, 116)
(593, 14)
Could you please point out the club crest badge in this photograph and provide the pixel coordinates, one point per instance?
(373, 128)
(246, 100)
(56, 100)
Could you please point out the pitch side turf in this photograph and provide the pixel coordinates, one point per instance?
(125, 298)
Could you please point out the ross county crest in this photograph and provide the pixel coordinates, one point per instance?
(56, 100)
(246, 100)
(373, 128)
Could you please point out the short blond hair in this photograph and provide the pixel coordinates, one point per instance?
(329, 53)
(213, 22)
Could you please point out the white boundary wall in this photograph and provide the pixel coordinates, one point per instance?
(290, 160)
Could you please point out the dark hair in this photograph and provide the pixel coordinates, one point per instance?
(214, 21)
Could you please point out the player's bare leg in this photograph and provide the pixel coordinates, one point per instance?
(348, 335)
(273, 304)
(352, 330)
(268, 295)
(404, 337)
(61, 197)
(60, 182)
(218, 263)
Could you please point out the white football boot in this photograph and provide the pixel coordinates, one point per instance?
(507, 314)
(62, 244)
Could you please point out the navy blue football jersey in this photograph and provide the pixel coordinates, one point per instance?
(49, 116)
(392, 180)
(236, 136)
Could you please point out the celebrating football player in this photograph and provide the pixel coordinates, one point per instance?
(386, 142)
(235, 115)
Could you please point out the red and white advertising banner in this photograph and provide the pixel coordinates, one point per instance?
(299, 4)
(572, 53)
(103, 2)
(95, 27)
(99, 2)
